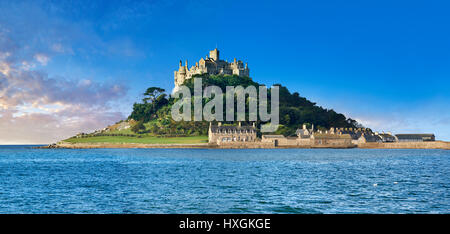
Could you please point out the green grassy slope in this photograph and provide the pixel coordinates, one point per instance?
(143, 139)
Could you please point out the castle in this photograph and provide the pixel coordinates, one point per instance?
(211, 65)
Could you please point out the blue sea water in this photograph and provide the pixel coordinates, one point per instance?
(223, 180)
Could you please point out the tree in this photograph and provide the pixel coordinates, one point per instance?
(138, 127)
(152, 93)
(154, 99)
(294, 109)
(154, 128)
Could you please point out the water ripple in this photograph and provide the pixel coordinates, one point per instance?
(224, 181)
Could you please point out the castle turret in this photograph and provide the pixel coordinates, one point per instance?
(180, 75)
(214, 54)
(182, 70)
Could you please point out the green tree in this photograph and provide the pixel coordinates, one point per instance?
(154, 99)
(138, 127)
(152, 93)
(294, 109)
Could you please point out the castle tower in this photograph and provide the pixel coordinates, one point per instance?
(214, 54)
(180, 75)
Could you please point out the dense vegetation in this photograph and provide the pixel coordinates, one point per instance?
(153, 114)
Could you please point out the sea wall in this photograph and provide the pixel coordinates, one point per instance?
(406, 145)
(258, 145)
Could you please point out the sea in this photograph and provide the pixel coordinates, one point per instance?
(166, 181)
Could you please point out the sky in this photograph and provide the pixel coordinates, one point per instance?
(76, 66)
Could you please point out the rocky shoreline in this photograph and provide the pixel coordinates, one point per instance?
(395, 145)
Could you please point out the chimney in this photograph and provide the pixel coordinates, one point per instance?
(304, 126)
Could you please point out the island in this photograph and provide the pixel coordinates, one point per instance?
(302, 123)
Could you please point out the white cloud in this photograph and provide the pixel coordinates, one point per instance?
(41, 128)
(37, 108)
(84, 82)
(42, 59)
(409, 122)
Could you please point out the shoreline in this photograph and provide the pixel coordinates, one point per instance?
(395, 145)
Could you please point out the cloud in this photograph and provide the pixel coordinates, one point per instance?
(37, 109)
(42, 128)
(34, 106)
(412, 121)
(57, 47)
(20, 87)
(42, 59)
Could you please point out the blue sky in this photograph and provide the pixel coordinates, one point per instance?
(70, 66)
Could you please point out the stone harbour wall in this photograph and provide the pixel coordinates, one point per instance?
(407, 145)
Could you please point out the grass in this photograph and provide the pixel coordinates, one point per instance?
(143, 140)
